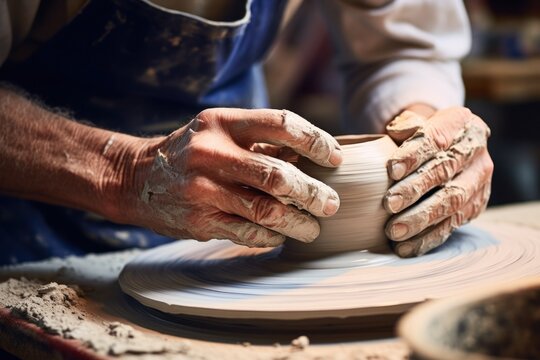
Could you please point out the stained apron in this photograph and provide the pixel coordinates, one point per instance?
(134, 67)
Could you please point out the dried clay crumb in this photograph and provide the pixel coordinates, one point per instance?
(300, 343)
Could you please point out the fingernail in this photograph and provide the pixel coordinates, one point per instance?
(394, 202)
(398, 170)
(405, 250)
(399, 230)
(331, 206)
(336, 158)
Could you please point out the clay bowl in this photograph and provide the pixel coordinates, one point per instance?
(361, 182)
(500, 322)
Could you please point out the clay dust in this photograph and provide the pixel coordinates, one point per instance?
(60, 310)
(101, 319)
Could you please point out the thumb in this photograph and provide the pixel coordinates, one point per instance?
(405, 125)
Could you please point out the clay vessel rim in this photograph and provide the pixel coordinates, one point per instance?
(352, 140)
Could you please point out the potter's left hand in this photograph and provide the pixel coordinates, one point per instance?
(446, 151)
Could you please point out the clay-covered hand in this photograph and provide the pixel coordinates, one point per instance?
(212, 179)
(447, 152)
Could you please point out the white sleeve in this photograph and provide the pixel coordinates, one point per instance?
(395, 54)
(16, 19)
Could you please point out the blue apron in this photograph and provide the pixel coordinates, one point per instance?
(130, 66)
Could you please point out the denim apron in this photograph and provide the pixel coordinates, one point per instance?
(134, 67)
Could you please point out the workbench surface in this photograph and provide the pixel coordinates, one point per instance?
(105, 304)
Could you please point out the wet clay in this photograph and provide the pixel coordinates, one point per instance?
(361, 182)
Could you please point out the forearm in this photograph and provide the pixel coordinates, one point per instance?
(45, 156)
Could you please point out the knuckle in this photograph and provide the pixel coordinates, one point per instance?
(288, 116)
(200, 124)
(459, 112)
(274, 180)
(251, 235)
(265, 210)
(209, 117)
(481, 124)
(441, 134)
(447, 169)
(283, 117)
(314, 144)
(450, 224)
(206, 115)
(465, 111)
(195, 188)
(476, 207)
(197, 153)
(443, 169)
(477, 136)
(489, 165)
(456, 197)
(457, 219)
(479, 203)
(314, 192)
(438, 138)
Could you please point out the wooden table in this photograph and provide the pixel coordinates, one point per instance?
(97, 274)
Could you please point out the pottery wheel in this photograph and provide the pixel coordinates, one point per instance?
(218, 279)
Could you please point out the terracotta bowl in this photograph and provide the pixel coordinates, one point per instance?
(494, 323)
(361, 182)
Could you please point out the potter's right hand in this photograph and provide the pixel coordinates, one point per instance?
(210, 179)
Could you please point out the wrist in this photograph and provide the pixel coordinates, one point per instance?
(126, 161)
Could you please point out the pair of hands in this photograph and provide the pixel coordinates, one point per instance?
(225, 176)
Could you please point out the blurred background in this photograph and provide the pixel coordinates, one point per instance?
(501, 74)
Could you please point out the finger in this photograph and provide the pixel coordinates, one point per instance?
(285, 128)
(243, 232)
(405, 125)
(282, 180)
(435, 236)
(266, 211)
(280, 152)
(437, 171)
(443, 203)
(442, 130)
(266, 149)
